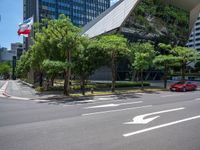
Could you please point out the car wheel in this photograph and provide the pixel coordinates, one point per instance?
(184, 89)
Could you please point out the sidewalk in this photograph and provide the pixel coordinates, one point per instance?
(16, 89)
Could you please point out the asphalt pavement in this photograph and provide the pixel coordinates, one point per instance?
(142, 121)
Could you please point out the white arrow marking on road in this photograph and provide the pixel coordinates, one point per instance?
(140, 119)
(112, 105)
(160, 126)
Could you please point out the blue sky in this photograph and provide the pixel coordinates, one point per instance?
(11, 12)
(113, 1)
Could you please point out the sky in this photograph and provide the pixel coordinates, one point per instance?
(113, 1)
(11, 14)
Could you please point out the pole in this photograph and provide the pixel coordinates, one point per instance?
(13, 68)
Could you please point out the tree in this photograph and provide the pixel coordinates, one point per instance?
(67, 36)
(185, 56)
(114, 46)
(55, 40)
(53, 68)
(165, 60)
(5, 69)
(87, 59)
(142, 57)
(23, 65)
(197, 66)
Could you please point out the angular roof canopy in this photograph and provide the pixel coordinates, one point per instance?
(114, 17)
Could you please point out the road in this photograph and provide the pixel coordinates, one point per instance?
(149, 121)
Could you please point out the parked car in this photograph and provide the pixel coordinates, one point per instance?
(183, 86)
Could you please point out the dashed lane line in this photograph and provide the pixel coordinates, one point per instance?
(116, 110)
(112, 105)
(171, 95)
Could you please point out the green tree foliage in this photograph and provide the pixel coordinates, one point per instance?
(142, 55)
(24, 64)
(185, 56)
(55, 40)
(5, 69)
(67, 37)
(165, 60)
(87, 59)
(174, 19)
(114, 46)
(53, 68)
(197, 66)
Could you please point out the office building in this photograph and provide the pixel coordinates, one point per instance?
(17, 49)
(79, 11)
(119, 19)
(194, 40)
(113, 18)
(7, 55)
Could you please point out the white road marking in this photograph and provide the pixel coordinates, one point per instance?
(171, 95)
(117, 110)
(112, 105)
(140, 119)
(100, 101)
(2, 95)
(19, 98)
(42, 100)
(105, 98)
(197, 99)
(160, 126)
(3, 89)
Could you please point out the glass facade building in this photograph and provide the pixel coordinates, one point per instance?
(79, 11)
(194, 40)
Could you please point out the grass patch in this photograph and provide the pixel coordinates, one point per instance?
(122, 84)
(75, 85)
(99, 93)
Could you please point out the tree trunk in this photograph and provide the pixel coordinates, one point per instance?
(137, 76)
(165, 76)
(113, 72)
(41, 79)
(134, 74)
(47, 84)
(183, 70)
(142, 81)
(83, 85)
(52, 80)
(67, 74)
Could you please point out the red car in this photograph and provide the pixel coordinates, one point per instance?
(183, 86)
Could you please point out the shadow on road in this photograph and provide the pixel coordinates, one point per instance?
(56, 100)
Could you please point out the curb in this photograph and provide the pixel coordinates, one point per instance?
(26, 83)
(4, 93)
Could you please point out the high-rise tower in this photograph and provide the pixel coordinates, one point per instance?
(79, 11)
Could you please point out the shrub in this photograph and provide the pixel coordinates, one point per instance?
(40, 89)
